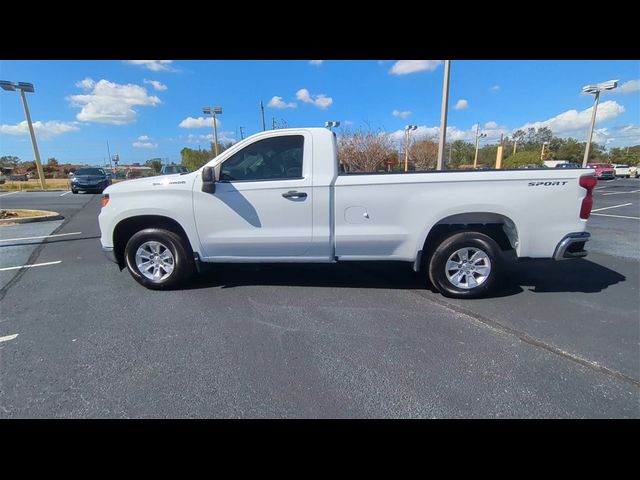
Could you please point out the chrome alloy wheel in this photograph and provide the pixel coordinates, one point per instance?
(155, 261)
(468, 268)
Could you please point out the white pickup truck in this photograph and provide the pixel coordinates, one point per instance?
(280, 196)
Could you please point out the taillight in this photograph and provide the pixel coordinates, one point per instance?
(105, 199)
(587, 182)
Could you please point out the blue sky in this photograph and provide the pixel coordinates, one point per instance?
(153, 108)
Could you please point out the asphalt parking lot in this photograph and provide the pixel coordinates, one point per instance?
(80, 339)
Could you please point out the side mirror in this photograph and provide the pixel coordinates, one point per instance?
(208, 180)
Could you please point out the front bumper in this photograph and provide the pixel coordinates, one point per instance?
(572, 246)
(110, 254)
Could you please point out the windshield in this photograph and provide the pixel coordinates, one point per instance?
(90, 171)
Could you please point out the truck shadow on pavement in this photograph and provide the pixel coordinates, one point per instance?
(538, 276)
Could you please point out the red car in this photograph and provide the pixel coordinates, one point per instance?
(604, 171)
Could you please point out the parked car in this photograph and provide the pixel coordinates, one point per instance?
(272, 198)
(568, 165)
(18, 178)
(603, 171)
(87, 179)
(622, 171)
(173, 169)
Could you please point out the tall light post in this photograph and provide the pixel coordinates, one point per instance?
(330, 125)
(478, 137)
(27, 87)
(264, 126)
(542, 152)
(595, 89)
(213, 111)
(407, 134)
(443, 114)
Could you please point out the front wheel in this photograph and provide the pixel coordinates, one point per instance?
(159, 259)
(466, 265)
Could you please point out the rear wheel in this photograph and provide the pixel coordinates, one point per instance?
(159, 259)
(466, 265)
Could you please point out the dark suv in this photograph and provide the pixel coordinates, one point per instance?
(86, 179)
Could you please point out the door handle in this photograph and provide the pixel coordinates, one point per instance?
(294, 194)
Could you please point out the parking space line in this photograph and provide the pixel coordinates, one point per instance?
(65, 193)
(8, 337)
(11, 193)
(30, 266)
(615, 216)
(35, 238)
(607, 208)
(620, 193)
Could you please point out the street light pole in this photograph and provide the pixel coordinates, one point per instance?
(595, 89)
(36, 152)
(264, 125)
(27, 87)
(443, 114)
(593, 124)
(478, 137)
(542, 152)
(407, 134)
(213, 111)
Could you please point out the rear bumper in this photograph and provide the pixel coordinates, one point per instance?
(572, 246)
(110, 254)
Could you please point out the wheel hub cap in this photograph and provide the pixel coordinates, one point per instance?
(155, 261)
(468, 268)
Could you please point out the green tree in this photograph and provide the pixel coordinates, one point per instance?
(522, 159)
(461, 153)
(571, 150)
(155, 164)
(52, 162)
(8, 161)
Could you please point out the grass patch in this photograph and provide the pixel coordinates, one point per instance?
(34, 184)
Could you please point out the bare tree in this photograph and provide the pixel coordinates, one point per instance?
(365, 151)
(424, 153)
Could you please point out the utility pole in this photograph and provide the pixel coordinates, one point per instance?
(499, 153)
(478, 137)
(407, 131)
(241, 134)
(36, 152)
(264, 127)
(109, 152)
(587, 147)
(515, 144)
(443, 113)
(450, 145)
(273, 123)
(542, 152)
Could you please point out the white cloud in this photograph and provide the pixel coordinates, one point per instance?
(404, 67)
(492, 130)
(199, 122)
(461, 104)
(278, 102)
(86, 84)
(348, 122)
(316, 63)
(43, 130)
(223, 137)
(491, 125)
(321, 101)
(495, 88)
(156, 85)
(110, 102)
(399, 114)
(627, 87)
(153, 65)
(573, 121)
(144, 141)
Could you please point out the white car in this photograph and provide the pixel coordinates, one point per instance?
(622, 171)
(279, 196)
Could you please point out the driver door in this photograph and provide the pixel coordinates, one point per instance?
(261, 207)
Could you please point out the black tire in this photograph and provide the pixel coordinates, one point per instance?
(183, 262)
(75, 192)
(462, 240)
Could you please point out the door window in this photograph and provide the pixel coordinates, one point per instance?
(276, 158)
